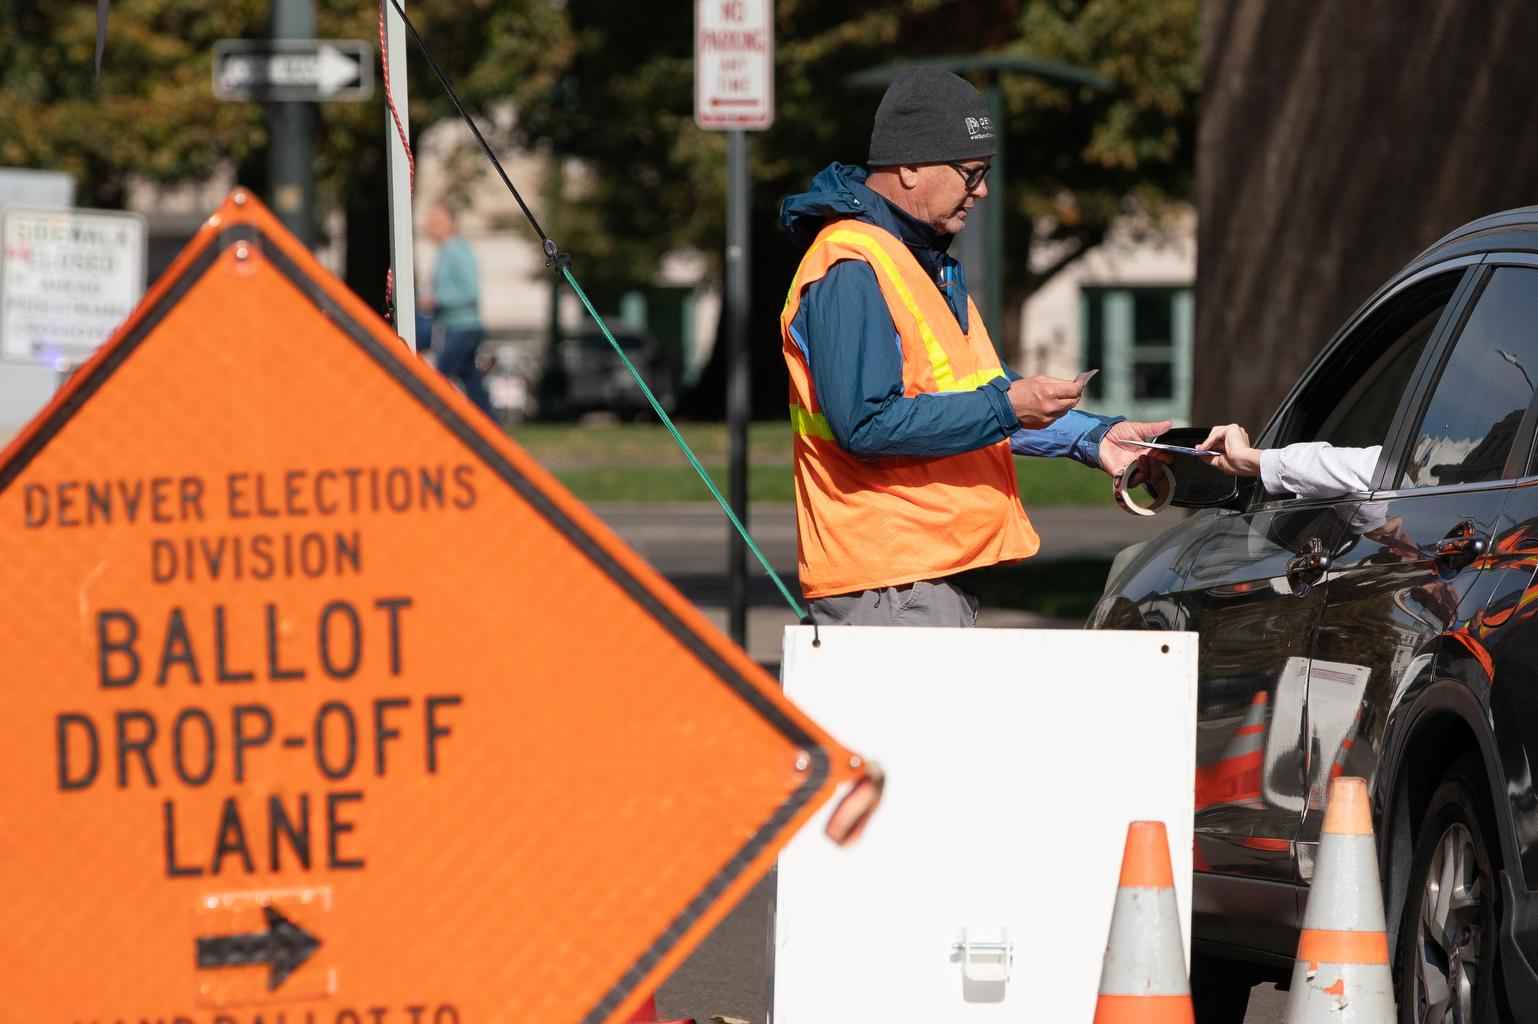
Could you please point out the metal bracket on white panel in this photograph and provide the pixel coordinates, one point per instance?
(985, 960)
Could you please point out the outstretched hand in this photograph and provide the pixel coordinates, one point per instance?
(1115, 456)
(1038, 401)
(1238, 458)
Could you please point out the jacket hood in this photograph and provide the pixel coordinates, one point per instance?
(839, 190)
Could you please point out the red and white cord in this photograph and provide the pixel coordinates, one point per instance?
(400, 129)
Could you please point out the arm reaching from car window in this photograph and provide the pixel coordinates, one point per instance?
(1315, 469)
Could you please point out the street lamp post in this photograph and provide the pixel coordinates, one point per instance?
(1514, 361)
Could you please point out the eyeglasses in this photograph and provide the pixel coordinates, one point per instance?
(973, 175)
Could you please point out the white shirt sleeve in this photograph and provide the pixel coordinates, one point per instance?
(1317, 469)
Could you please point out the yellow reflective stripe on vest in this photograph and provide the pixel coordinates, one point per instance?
(939, 362)
(976, 380)
(810, 424)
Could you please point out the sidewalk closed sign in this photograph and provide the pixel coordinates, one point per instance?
(68, 278)
(324, 704)
(734, 64)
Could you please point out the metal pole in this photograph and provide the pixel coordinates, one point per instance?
(402, 255)
(737, 384)
(291, 154)
(993, 298)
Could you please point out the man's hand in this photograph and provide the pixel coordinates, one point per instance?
(1038, 401)
(1114, 456)
(1238, 458)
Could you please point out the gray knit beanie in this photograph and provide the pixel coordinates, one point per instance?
(930, 116)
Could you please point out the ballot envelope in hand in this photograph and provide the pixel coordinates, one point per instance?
(1176, 448)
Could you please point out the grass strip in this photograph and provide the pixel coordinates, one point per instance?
(639, 462)
(1043, 482)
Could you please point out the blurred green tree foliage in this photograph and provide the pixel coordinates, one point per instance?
(153, 114)
(624, 103)
(652, 182)
(611, 86)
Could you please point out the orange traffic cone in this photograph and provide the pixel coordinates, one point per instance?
(1233, 776)
(1342, 972)
(1143, 977)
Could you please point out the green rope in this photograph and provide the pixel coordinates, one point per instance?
(556, 259)
(667, 421)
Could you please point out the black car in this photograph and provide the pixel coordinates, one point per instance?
(1391, 635)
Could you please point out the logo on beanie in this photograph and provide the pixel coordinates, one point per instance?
(979, 128)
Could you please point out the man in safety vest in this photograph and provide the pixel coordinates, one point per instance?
(904, 418)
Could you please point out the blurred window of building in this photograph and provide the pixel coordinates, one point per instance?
(1124, 307)
(1140, 339)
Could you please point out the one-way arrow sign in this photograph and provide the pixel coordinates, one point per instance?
(284, 946)
(295, 70)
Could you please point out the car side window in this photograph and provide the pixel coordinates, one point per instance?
(1484, 389)
(1364, 415)
(1352, 399)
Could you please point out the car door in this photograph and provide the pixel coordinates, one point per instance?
(1258, 588)
(1421, 537)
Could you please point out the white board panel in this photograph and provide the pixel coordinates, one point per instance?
(1014, 761)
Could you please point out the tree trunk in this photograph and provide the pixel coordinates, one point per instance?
(1336, 142)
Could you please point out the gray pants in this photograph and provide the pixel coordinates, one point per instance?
(925, 603)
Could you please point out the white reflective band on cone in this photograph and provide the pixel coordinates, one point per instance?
(1163, 486)
(1144, 955)
(1344, 895)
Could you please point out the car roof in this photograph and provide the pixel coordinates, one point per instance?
(1510, 230)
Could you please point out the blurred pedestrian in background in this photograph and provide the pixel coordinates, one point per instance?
(455, 302)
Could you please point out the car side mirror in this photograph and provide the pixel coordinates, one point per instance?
(1197, 483)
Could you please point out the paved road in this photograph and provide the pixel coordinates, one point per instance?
(729, 974)
(688, 545)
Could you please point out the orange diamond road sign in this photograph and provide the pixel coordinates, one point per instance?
(325, 704)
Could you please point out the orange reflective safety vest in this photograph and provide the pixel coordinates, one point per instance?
(869, 523)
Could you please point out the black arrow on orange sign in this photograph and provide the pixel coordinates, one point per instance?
(283, 946)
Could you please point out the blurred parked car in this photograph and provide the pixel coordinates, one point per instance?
(589, 378)
(596, 380)
(511, 365)
(1390, 635)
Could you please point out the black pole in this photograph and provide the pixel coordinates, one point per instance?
(291, 150)
(737, 383)
(993, 217)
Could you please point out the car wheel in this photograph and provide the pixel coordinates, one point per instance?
(1445, 956)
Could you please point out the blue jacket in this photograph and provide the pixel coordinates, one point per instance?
(845, 330)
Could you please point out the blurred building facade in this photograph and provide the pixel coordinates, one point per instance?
(1125, 308)
(667, 323)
